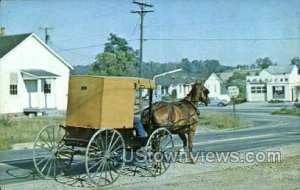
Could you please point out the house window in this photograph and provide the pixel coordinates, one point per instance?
(47, 86)
(286, 79)
(13, 89)
(13, 86)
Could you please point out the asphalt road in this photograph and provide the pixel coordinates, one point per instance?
(268, 131)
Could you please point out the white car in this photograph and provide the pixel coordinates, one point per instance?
(214, 102)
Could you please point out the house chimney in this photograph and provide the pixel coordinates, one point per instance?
(2, 31)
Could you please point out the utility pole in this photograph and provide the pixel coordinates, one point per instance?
(47, 36)
(142, 12)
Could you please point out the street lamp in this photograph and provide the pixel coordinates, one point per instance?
(162, 74)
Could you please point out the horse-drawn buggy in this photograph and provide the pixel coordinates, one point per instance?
(99, 129)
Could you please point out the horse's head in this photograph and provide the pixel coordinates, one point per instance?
(199, 93)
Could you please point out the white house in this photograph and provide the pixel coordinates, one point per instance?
(166, 85)
(279, 82)
(33, 78)
(213, 84)
(182, 89)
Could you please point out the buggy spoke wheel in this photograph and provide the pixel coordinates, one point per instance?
(50, 156)
(157, 152)
(105, 157)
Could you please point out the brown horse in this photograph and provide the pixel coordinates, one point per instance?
(179, 117)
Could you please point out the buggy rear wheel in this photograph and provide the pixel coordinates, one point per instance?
(105, 155)
(50, 156)
(158, 152)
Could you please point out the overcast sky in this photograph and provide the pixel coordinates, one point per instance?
(231, 31)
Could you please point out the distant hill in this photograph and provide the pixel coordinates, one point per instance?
(224, 76)
(81, 70)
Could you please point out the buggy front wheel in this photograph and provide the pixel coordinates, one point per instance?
(105, 157)
(158, 152)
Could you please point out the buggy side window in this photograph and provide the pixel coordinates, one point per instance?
(142, 102)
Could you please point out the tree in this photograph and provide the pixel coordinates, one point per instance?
(238, 79)
(118, 59)
(213, 66)
(263, 63)
(295, 61)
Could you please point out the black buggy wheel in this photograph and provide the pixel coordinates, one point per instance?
(50, 155)
(158, 152)
(105, 157)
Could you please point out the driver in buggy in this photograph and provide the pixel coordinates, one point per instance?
(138, 126)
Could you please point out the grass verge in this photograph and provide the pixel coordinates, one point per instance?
(23, 129)
(288, 111)
(221, 120)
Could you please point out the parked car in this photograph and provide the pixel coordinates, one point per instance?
(214, 102)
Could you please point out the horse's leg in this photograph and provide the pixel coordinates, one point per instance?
(191, 134)
(184, 139)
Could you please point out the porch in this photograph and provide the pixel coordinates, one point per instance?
(40, 87)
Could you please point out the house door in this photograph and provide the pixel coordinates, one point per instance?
(48, 88)
(31, 86)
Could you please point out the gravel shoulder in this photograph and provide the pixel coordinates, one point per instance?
(283, 175)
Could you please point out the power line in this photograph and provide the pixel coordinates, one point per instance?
(221, 39)
(188, 39)
(70, 51)
(81, 47)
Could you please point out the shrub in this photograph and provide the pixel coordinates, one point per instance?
(276, 101)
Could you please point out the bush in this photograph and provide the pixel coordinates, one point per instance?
(276, 101)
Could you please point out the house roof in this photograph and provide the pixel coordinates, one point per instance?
(170, 79)
(38, 73)
(280, 69)
(7, 43)
(216, 76)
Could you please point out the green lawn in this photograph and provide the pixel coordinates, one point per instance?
(288, 111)
(23, 129)
(221, 120)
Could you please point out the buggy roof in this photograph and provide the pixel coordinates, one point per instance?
(137, 82)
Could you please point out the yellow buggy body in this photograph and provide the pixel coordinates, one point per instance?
(103, 102)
